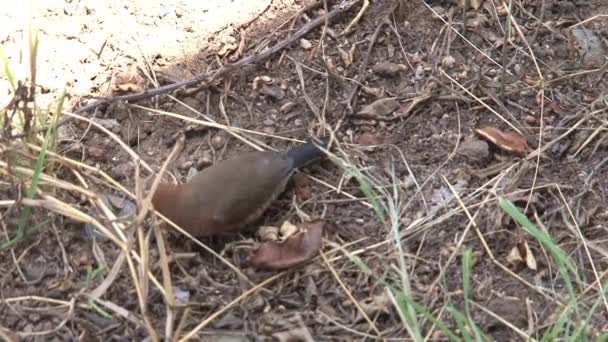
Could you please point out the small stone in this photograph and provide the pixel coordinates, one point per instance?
(268, 130)
(217, 141)
(204, 161)
(474, 148)
(83, 260)
(530, 119)
(122, 170)
(268, 122)
(182, 296)
(65, 133)
(130, 130)
(305, 44)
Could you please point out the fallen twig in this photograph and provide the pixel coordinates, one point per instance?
(209, 77)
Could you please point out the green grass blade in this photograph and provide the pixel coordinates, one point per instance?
(467, 257)
(38, 168)
(403, 301)
(13, 242)
(462, 323)
(99, 310)
(565, 265)
(7, 70)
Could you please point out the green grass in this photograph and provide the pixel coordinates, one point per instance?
(7, 70)
(386, 204)
(467, 290)
(47, 120)
(568, 325)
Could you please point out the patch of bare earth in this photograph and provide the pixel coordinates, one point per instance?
(405, 111)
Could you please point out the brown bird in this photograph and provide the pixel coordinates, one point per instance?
(232, 193)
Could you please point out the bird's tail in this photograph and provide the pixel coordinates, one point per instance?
(305, 153)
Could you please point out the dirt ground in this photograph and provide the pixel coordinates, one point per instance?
(419, 142)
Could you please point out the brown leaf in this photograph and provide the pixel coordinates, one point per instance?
(381, 107)
(294, 251)
(510, 142)
(521, 253)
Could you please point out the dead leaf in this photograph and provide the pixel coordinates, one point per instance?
(388, 69)
(521, 253)
(380, 303)
(261, 80)
(268, 233)
(287, 230)
(381, 107)
(294, 251)
(510, 142)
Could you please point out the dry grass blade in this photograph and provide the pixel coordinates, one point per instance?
(62, 208)
(350, 296)
(134, 155)
(228, 306)
(492, 110)
(521, 333)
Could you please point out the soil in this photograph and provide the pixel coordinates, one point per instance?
(423, 146)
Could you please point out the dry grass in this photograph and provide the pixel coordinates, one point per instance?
(61, 191)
